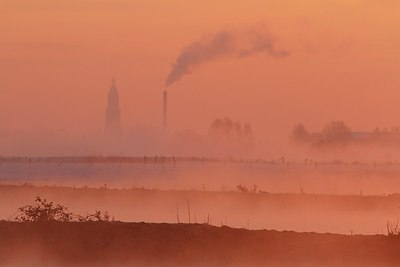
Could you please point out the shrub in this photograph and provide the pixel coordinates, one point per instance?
(393, 229)
(242, 188)
(44, 211)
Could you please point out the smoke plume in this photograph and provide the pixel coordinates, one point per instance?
(231, 43)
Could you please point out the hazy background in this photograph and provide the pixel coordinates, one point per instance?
(57, 60)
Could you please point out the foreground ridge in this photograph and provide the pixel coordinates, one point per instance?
(103, 243)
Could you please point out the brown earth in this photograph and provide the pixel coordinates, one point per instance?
(145, 244)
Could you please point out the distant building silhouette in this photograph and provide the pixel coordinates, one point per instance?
(113, 113)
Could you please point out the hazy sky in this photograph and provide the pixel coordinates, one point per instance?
(57, 59)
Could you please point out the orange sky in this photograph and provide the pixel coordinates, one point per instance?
(57, 59)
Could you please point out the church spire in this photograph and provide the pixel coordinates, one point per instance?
(113, 113)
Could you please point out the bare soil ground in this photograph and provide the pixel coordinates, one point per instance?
(145, 244)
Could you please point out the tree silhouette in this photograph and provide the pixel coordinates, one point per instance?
(300, 133)
(336, 131)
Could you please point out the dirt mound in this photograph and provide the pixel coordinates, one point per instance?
(143, 244)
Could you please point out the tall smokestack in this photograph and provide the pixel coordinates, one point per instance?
(165, 102)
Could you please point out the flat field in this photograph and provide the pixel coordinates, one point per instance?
(145, 244)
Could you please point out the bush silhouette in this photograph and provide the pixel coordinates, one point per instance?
(44, 211)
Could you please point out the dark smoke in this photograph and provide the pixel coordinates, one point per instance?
(223, 44)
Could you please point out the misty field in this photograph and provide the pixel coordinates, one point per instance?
(203, 213)
(325, 197)
(275, 176)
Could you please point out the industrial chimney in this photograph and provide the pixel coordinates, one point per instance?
(165, 102)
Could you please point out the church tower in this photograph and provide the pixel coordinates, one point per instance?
(113, 113)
